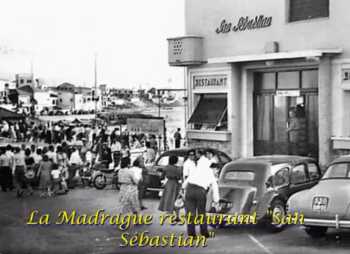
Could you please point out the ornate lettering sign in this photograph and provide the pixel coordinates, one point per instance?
(244, 23)
(212, 81)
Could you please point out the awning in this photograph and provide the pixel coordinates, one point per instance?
(77, 121)
(276, 56)
(209, 111)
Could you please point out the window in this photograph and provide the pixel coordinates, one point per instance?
(21, 81)
(264, 81)
(309, 79)
(288, 80)
(29, 81)
(164, 161)
(281, 177)
(339, 170)
(239, 176)
(313, 171)
(298, 174)
(210, 112)
(308, 9)
(223, 158)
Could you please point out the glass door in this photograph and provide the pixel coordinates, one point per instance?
(285, 123)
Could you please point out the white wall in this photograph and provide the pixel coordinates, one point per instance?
(44, 100)
(204, 16)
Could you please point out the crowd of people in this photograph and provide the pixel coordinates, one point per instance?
(57, 132)
(59, 150)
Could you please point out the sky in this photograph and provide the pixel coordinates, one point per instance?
(58, 40)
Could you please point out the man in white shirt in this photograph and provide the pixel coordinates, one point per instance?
(52, 154)
(116, 152)
(75, 158)
(75, 162)
(37, 156)
(189, 164)
(197, 185)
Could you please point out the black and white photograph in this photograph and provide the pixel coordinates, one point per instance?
(174, 126)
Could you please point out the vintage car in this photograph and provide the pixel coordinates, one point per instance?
(326, 205)
(155, 173)
(263, 184)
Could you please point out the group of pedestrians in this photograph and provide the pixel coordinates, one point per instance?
(22, 168)
(193, 183)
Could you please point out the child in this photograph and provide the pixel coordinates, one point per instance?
(56, 179)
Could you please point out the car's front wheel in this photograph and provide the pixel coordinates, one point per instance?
(276, 215)
(316, 232)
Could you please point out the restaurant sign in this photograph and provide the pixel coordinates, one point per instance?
(148, 126)
(244, 23)
(210, 82)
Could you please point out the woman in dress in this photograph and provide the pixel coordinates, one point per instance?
(62, 161)
(172, 187)
(128, 195)
(20, 170)
(45, 176)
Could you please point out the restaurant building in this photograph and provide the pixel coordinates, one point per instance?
(253, 66)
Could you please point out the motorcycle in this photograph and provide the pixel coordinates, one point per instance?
(87, 175)
(104, 175)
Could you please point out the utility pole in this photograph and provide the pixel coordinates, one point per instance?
(95, 93)
(158, 92)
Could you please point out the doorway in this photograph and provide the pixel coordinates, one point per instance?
(286, 113)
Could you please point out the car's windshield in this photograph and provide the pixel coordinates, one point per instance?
(164, 161)
(338, 170)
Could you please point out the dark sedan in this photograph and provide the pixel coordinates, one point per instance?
(155, 174)
(263, 184)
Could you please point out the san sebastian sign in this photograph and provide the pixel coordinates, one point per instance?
(244, 23)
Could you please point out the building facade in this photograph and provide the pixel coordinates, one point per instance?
(267, 77)
(24, 79)
(45, 99)
(5, 86)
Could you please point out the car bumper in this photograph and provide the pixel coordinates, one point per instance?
(333, 223)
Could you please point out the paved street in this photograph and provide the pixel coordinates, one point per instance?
(17, 237)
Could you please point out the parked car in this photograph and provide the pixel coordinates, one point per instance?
(326, 205)
(263, 184)
(58, 112)
(155, 173)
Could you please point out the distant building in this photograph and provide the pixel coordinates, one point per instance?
(24, 79)
(121, 93)
(66, 87)
(45, 99)
(78, 98)
(5, 86)
(25, 98)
